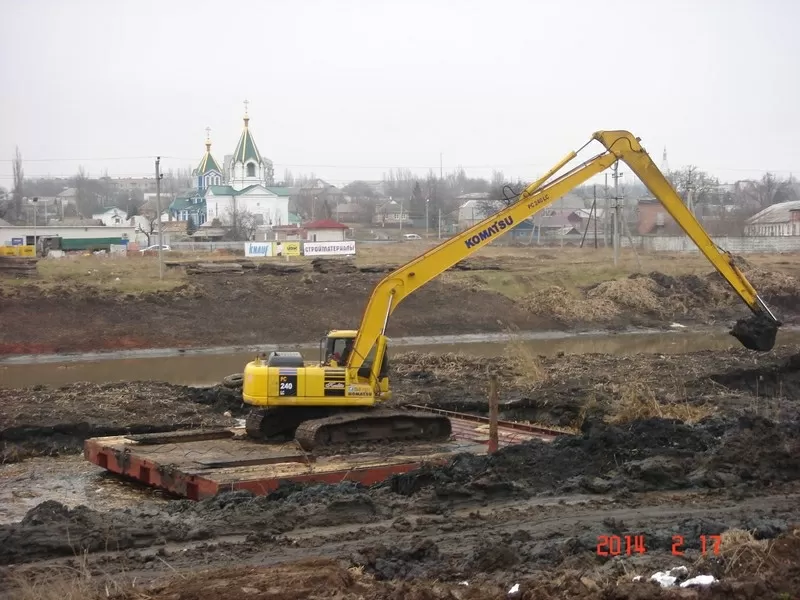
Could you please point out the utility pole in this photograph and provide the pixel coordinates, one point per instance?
(441, 171)
(606, 217)
(427, 221)
(35, 244)
(158, 216)
(594, 211)
(616, 212)
(440, 223)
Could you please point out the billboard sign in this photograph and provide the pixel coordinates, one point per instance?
(287, 249)
(257, 249)
(344, 248)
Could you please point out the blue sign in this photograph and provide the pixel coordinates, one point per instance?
(17, 242)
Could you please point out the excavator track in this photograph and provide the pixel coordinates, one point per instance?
(279, 423)
(374, 425)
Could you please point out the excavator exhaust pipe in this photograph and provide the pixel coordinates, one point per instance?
(757, 332)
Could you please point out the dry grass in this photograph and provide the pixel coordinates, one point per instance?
(131, 275)
(77, 582)
(741, 554)
(638, 401)
(565, 306)
(526, 272)
(528, 369)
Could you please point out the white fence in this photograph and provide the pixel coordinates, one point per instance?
(736, 245)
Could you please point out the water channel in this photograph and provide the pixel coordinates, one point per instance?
(208, 366)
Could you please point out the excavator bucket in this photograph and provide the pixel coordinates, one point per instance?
(757, 332)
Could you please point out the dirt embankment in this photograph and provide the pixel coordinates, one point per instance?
(653, 298)
(290, 305)
(272, 303)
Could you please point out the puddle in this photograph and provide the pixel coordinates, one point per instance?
(70, 480)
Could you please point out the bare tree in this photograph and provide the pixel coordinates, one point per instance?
(360, 192)
(15, 210)
(242, 224)
(81, 192)
(148, 226)
(502, 194)
(702, 185)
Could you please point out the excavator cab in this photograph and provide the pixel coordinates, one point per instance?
(335, 350)
(336, 347)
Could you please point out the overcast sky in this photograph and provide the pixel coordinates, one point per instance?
(351, 88)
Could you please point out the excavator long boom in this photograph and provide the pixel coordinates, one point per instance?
(757, 333)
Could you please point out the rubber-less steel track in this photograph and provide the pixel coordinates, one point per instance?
(374, 425)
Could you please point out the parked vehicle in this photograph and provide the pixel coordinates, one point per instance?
(154, 248)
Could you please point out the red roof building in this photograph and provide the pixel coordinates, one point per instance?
(325, 230)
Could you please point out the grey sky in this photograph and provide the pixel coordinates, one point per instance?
(336, 87)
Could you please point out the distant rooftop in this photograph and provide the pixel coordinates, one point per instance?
(777, 213)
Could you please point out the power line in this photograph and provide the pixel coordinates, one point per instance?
(351, 166)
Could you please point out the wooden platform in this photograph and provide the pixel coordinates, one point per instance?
(200, 464)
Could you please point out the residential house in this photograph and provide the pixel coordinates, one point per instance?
(350, 212)
(112, 217)
(391, 214)
(558, 223)
(781, 219)
(474, 208)
(312, 197)
(325, 230)
(653, 218)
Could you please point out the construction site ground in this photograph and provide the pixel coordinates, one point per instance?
(89, 304)
(689, 445)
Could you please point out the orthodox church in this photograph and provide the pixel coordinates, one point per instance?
(243, 187)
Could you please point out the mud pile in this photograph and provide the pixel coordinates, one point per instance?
(661, 297)
(653, 454)
(49, 420)
(52, 529)
(564, 390)
(647, 455)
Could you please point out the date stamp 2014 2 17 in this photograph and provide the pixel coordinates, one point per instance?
(617, 545)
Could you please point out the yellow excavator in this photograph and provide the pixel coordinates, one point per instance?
(334, 401)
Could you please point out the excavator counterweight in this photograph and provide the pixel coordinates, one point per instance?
(333, 401)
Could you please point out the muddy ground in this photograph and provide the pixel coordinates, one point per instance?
(561, 391)
(727, 464)
(53, 420)
(298, 303)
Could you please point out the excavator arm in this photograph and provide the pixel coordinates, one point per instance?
(756, 333)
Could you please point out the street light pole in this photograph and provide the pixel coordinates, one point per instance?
(427, 221)
(158, 216)
(35, 245)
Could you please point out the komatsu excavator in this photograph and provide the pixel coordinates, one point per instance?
(334, 401)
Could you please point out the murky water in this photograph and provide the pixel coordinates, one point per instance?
(207, 367)
(70, 480)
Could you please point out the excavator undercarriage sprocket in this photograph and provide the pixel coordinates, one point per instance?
(316, 427)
